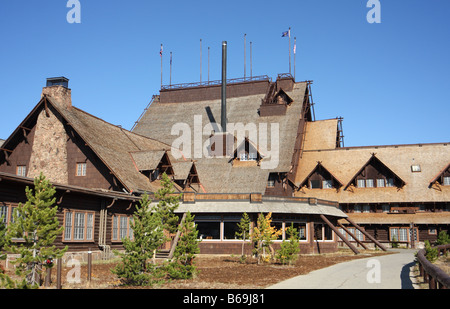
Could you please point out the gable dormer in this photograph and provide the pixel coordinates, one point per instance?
(441, 179)
(246, 153)
(375, 174)
(275, 103)
(153, 163)
(321, 178)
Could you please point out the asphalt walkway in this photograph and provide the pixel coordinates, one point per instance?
(382, 272)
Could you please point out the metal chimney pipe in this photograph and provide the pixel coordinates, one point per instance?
(223, 117)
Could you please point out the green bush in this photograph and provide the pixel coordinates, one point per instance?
(431, 253)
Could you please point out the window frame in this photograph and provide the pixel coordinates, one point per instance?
(85, 229)
(119, 229)
(21, 170)
(83, 171)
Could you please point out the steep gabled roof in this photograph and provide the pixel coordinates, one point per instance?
(316, 168)
(372, 160)
(439, 175)
(217, 174)
(111, 144)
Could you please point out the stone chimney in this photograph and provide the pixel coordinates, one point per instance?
(58, 89)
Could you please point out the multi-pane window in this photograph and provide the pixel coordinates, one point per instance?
(446, 181)
(361, 183)
(7, 212)
(81, 169)
(21, 170)
(369, 183)
(121, 227)
(380, 182)
(399, 234)
(4, 214)
(79, 226)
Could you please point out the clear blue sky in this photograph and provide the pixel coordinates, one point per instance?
(390, 81)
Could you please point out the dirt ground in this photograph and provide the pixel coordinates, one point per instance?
(215, 272)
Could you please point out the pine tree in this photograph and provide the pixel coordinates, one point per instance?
(168, 203)
(36, 223)
(183, 264)
(263, 235)
(4, 279)
(289, 249)
(243, 231)
(148, 235)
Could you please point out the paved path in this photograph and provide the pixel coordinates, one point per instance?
(382, 272)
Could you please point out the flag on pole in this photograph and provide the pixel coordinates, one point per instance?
(295, 47)
(286, 34)
(161, 50)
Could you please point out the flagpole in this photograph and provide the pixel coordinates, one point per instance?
(289, 50)
(161, 54)
(208, 65)
(200, 60)
(245, 52)
(295, 52)
(170, 68)
(251, 70)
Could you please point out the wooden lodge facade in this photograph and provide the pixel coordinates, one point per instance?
(292, 166)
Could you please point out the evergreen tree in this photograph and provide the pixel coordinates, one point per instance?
(4, 279)
(168, 203)
(443, 238)
(183, 264)
(289, 249)
(148, 235)
(243, 231)
(36, 223)
(263, 235)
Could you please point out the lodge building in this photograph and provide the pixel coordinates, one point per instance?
(274, 157)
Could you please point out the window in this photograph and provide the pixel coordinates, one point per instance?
(369, 183)
(271, 180)
(230, 227)
(79, 226)
(208, 227)
(390, 182)
(81, 169)
(415, 168)
(322, 232)
(4, 214)
(380, 183)
(361, 183)
(399, 234)
(446, 181)
(253, 156)
(432, 231)
(327, 184)
(366, 208)
(243, 156)
(21, 170)
(385, 208)
(357, 208)
(301, 229)
(7, 213)
(121, 227)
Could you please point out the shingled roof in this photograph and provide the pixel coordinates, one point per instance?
(218, 174)
(115, 146)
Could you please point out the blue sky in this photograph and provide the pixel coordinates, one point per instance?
(389, 81)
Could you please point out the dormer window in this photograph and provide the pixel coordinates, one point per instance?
(247, 151)
(375, 174)
(321, 178)
(443, 178)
